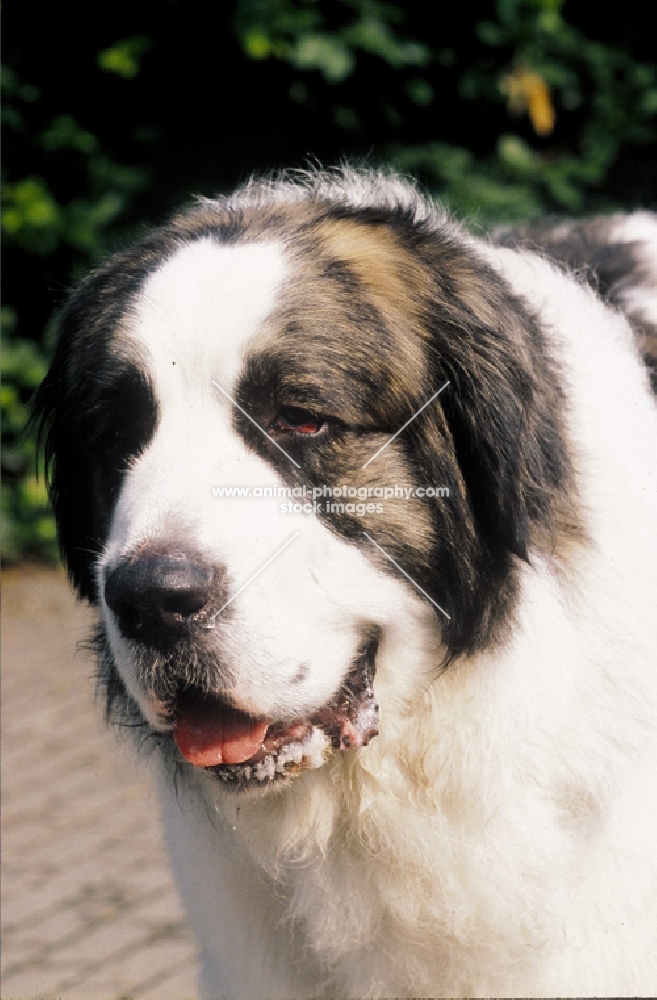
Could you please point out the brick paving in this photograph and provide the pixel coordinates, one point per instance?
(89, 909)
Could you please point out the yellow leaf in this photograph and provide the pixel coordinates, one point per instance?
(526, 91)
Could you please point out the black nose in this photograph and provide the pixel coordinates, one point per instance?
(156, 596)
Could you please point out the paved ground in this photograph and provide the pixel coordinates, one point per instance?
(88, 905)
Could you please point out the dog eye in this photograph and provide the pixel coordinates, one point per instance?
(293, 419)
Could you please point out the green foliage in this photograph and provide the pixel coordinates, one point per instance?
(41, 221)
(27, 525)
(37, 218)
(299, 33)
(124, 57)
(504, 109)
(586, 100)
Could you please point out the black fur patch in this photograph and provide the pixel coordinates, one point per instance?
(613, 267)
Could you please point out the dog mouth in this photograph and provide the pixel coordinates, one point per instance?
(244, 751)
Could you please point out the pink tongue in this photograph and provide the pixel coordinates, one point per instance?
(208, 733)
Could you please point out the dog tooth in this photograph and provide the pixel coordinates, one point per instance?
(268, 767)
(263, 768)
(314, 745)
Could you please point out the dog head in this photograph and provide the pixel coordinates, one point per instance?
(335, 333)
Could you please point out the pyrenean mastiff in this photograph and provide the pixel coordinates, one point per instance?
(367, 506)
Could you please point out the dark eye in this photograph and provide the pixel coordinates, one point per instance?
(294, 420)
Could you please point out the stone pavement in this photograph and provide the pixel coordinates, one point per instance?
(89, 909)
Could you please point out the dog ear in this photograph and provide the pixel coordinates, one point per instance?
(71, 404)
(58, 415)
(499, 421)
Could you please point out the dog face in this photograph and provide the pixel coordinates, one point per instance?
(295, 338)
(175, 554)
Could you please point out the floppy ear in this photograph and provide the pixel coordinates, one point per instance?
(59, 416)
(502, 414)
(71, 404)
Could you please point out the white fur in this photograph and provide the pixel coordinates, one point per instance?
(498, 837)
(640, 228)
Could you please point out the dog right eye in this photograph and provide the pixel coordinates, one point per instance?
(295, 420)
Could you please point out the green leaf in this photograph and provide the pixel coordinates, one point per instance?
(65, 133)
(31, 217)
(124, 57)
(326, 53)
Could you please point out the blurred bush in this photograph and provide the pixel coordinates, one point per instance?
(27, 526)
(503, 108)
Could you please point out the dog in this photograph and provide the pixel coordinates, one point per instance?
(367, 505)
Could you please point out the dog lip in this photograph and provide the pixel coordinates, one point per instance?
(214, 735)
(351, 718)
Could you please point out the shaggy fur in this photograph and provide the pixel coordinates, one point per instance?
(497, 837)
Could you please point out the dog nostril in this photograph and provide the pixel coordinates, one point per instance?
(155, 597)
(184, 603)
(131, 619)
